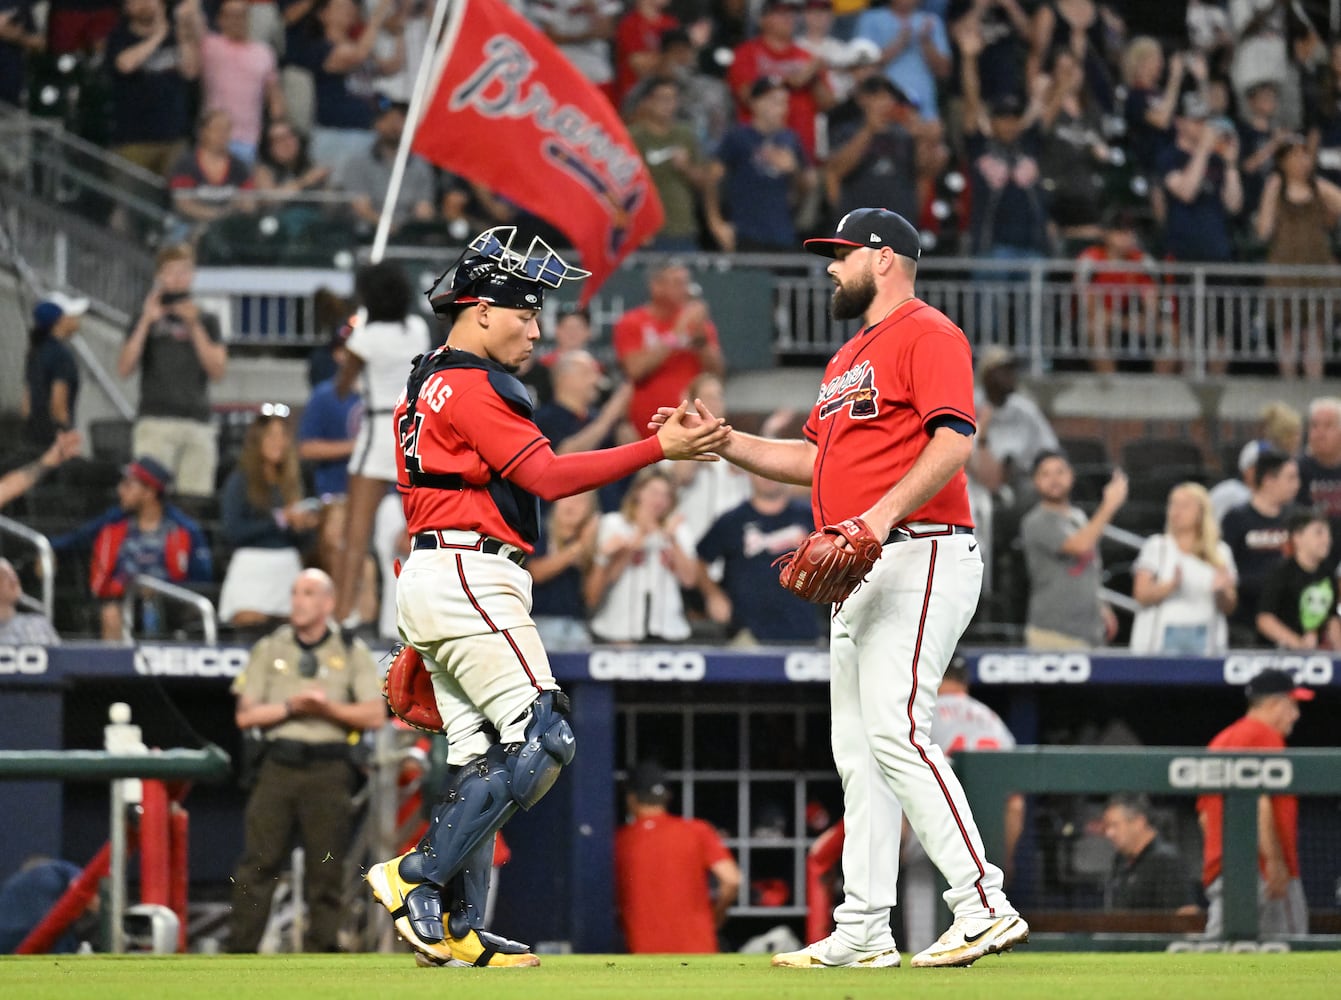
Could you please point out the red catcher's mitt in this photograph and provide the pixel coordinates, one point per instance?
(409, 691)
(822, 572)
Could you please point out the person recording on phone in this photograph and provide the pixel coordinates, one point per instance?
(178, 349)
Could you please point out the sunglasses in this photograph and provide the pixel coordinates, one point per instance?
(280, 410)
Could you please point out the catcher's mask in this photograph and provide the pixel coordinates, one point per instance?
(489, 270)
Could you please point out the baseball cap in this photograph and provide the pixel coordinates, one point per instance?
(882, 83)
(149, 471)
(995, 356)
(1006, 105)
(382, 104)
(647, 781)
(871, 227)
(766, 85)
(771, 5)
(1193, 105)
(1273, 681)
(1251, 452)
(57, 304)
(861, 52)
(490, 270)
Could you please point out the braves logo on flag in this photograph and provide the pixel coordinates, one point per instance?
(509, 112)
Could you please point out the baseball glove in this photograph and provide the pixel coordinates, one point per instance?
(822, 572)
(408, 691)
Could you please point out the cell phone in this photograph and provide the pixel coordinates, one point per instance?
(172, 298)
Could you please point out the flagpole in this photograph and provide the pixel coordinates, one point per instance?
(427, 65)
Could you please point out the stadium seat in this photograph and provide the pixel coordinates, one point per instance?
(1170, 456)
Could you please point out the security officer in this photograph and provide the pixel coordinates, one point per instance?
(307, 690)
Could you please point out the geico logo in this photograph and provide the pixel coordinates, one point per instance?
(189, 661)
(1230, 772)
(1315, 669)
(1231, 947)
(665, 665)
(26, 660)
(1026, 668)
(806, 666)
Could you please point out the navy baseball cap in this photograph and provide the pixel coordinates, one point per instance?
(871, 227)
(149, 471)
(648, 781)
(1272, 681)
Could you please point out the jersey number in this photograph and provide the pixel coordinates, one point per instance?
(408, 432)
(981, 743)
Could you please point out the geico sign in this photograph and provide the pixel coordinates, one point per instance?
(1316, 669)
(806, 666)
(640, 665)
(1034, 668)
(1230, 772)
(1232, 947)
(189, 661)
(26, 660)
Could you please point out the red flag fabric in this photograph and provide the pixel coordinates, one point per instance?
(508, 111)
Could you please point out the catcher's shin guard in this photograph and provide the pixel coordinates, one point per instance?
(468, 895)
(487, 791)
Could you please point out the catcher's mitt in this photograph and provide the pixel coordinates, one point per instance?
(408, 691)
(822, 572)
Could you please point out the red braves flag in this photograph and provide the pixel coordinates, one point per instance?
(508, 111)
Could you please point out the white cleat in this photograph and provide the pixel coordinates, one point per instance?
(970, 938)
(831, 953)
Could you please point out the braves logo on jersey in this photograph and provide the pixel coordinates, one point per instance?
(855, 390)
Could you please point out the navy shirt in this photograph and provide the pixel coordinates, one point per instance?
(560, 596)
(1008, 206)
(1197, 230)
(1258, 545)
(343, 100)
(327, 417)
(1144, 141)
(748, 542)
(152, 103)
(51, 362)
(11, 54)
(886, 174)
(756, 195)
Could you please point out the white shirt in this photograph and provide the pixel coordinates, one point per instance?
(386, 350)
(1227, 495)
(1190, 606)
(1018, 430)
(716, 488)
(592, 57)
(962, 722)
(644, 600)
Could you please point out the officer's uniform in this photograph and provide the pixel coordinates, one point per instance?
(303, 784)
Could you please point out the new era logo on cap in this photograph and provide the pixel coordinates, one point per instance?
(871, 227)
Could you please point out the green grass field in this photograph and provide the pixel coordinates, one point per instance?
(1024, 976)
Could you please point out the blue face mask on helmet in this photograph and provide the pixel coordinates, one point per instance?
(491, 271)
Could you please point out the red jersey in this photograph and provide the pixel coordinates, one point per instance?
(661, 884)
(1248, 734)
(754, 59)
(1133, 280)
(635, 34)
(640, 328)
(869, 423)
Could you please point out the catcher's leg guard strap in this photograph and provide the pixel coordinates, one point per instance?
(549, 747)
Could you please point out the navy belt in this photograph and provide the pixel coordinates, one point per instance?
(926, 531)
(492, 546)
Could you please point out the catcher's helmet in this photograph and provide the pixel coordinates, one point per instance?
(491, 271)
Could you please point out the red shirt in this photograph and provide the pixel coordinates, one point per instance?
(466, 428)
(1248, 734)
(1131, 279)
(880, 390)
(754, 59)
(661, 884)
(664, 386)
(635, 34)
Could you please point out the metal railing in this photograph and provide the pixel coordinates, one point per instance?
(178, 595)
(46, 561)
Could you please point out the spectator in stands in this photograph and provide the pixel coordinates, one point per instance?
(1283, 427)
(377, 359)
(80, 27)
(637, 44)
(178, 349)
(239, 76)
(266, 520)
(817, 38)
(1260, 137)
(1012, 430)
(1074, 154)
(572, 332)
(20, 628)
(1208, 29)
(662, 345)
(1298, 215)
(1256, 535)
(1199, 171)
(1297, 609)
(306, 690)
(915, 50)
(709, 489)
(19, 38)
(15, 483)
(152, 60)
(1085, 29)
(141, 535)
(774, 54)
(1320, 465)
(863, 64)
(675, 161)
(747, 540)
(875, 162)
(1236, 491)
(644, 555)
(758, 177)
(558, 568)
(391, 543)
(1260, 51)
(1150, 105)
(284, 164)
(1147, 872)
(207, 180)
(328, 428)
(405, 31)
(1061, 550)
(705, 103)
(1282, 909)
(365, 173)
(1120, 299)
(1324, 118)
(663, 864)
(1005, 30)
(568, 420)
(50, 372)
(582, 30)
(1185, 581)
(338, 56)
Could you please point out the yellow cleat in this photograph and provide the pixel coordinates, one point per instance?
(392, 891)
(484, 950)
